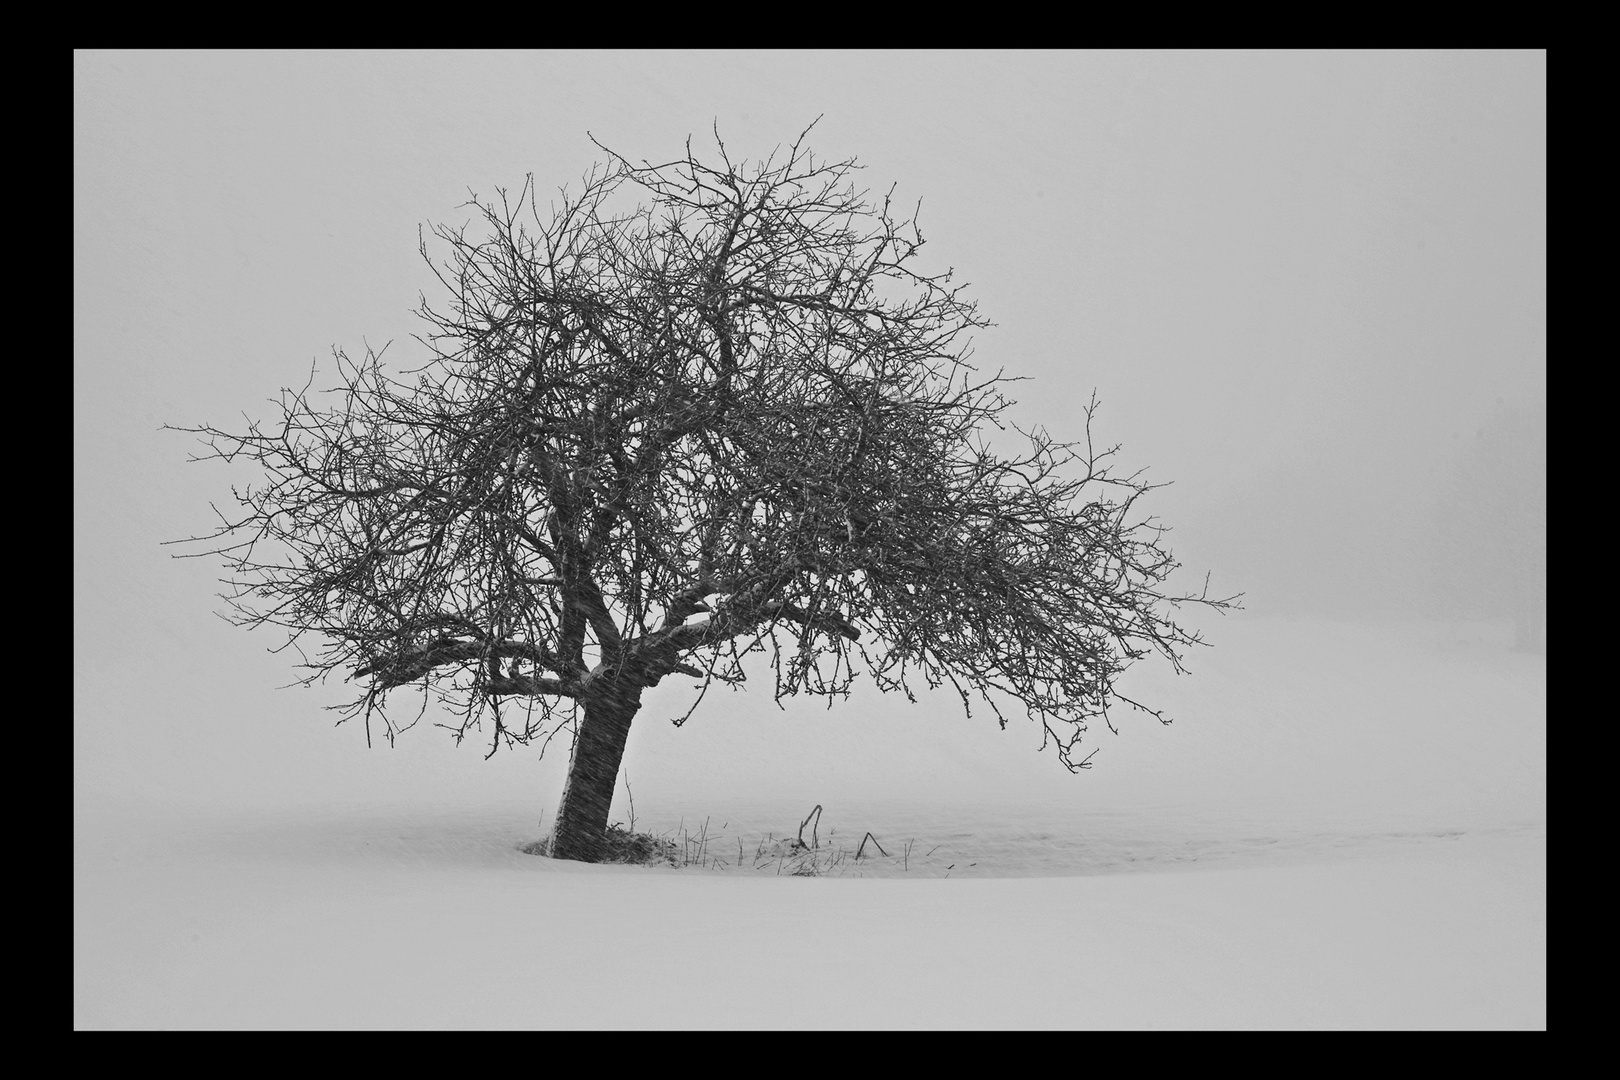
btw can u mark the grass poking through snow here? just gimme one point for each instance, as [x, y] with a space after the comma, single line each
[791, 856]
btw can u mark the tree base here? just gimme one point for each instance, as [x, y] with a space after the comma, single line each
[623, 847]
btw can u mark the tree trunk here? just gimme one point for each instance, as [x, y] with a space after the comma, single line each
[1529, 617]
[593, 772]
[1530, 624]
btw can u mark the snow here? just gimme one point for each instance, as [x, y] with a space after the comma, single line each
[1345, 827]
[1298, 281]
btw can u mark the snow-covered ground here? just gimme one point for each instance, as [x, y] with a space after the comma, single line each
[1345, 827]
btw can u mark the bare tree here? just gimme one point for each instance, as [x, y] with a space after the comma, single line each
[1490, 558]
[656, 436]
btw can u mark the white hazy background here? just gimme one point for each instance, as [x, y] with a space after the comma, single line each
[1300, 283]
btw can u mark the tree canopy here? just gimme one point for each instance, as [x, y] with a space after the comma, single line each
[691, 411]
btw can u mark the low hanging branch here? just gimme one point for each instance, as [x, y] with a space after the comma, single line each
[653, 436]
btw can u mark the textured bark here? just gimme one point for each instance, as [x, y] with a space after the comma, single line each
[593, 772]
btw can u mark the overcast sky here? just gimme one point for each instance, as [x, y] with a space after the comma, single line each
[1298, 281]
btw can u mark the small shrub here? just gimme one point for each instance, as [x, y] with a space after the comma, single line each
[640, 849]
